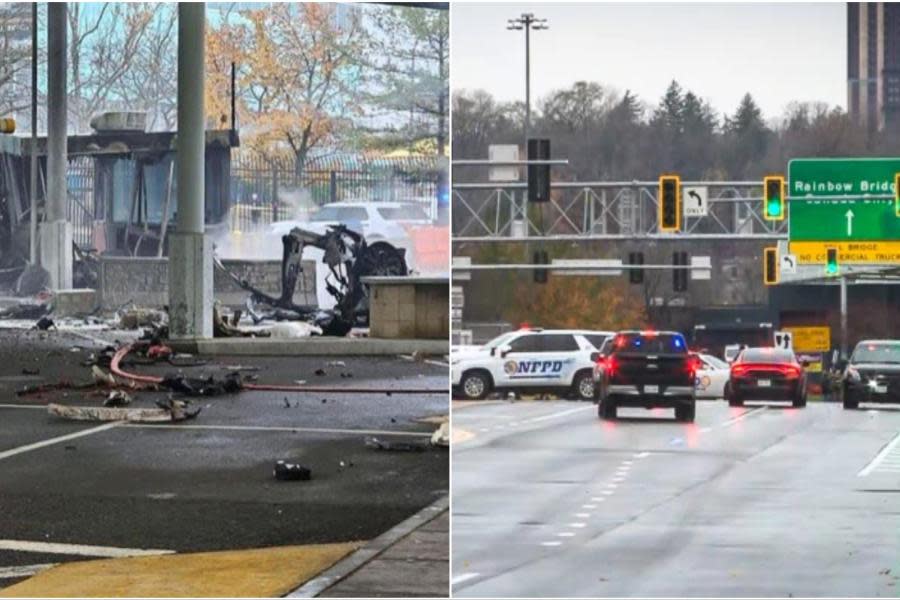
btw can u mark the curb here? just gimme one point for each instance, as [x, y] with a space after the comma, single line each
[358, 559]
[314, 346]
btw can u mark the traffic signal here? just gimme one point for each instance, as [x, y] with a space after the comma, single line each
[679, 276]
[636, 275]
[669, 203]
[831, 261]
[773, 198]
[540, 258]
[770, 266]
[897, 194]
[539, 175]
[7, 125]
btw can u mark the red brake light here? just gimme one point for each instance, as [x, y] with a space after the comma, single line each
[611, 365]
[739, 370]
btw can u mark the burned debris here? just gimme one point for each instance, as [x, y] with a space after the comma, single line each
[348, 257]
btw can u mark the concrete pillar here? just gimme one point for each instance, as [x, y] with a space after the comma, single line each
[56, 231]
[190, 252]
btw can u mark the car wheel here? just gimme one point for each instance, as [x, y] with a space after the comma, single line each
[850, 403]
[734, 401]
[475, 385]
[799, 402]
[686, 412]
[583, 387]
[607, 409]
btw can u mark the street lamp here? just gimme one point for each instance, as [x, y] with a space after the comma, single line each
[527, 22]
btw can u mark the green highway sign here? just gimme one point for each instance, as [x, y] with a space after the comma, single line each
[843, 219]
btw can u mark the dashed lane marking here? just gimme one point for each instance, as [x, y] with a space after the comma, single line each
[58, 439]
[463, 577]
[565, 534]
[553, 543]
[743, 416]
[78, 549]
[888, 460]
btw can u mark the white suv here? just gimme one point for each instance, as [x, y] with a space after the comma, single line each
[532, 360]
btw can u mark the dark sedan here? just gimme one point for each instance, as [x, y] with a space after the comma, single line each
[766, 374]
[872, 374]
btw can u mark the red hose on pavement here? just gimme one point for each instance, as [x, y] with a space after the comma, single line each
[263, 387]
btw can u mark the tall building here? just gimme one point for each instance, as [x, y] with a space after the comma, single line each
[873, 64]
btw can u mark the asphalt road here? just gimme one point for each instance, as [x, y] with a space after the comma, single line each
[207, 484]
[549, 501]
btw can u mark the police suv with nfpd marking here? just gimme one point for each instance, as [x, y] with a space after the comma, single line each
[529, 360]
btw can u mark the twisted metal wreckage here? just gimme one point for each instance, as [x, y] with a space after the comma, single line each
[349, 259]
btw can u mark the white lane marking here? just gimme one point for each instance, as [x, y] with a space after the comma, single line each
[24, 570]
[627, 462]
[598, 499]
[553, 543]
[562, 414]
[607, 492]
[463, 577]
[641, 454]
[565, 534]
[582, 515]
[484, 429]
[705, 429]
[612, 486]
[32, 406]
[57, 440]
[879, 458]
[77, 549]
[618, 479]
[589, 506]
[741, 417]
[289, 429]
[578, 525]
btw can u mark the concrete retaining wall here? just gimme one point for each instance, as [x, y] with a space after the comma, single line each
[145, 281]
[409, 307]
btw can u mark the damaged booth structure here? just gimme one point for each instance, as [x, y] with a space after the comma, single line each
[121, 181]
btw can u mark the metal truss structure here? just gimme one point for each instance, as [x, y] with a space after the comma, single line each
[492, 212]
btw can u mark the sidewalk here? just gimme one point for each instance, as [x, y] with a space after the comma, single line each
[410, 560]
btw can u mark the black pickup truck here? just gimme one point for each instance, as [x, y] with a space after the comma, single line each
[649, 369]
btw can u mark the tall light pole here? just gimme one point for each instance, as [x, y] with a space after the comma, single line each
[527, 22]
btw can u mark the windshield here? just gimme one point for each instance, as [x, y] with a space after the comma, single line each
[406, 212]
[876, 353]
[653, 343]
[766, 355]
[716, 363]
[340, 214]
[500, 339]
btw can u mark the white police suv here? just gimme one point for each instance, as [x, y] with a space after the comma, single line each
[559, 361]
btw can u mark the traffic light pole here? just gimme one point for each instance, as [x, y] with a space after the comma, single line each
[843, 317]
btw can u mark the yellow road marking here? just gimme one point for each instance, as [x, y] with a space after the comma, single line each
[263, 572]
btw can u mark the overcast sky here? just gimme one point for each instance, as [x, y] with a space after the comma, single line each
[777, 52]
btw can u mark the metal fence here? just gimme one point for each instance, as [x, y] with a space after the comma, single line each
[80, 206]
[268, 190]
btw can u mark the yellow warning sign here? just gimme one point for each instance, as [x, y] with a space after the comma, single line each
[877, 253]
[810, 339]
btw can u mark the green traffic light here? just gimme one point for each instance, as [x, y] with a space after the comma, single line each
[774, 207]
[831, 269]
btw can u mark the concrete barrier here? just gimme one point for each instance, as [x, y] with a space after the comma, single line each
[409, 307]
[145, 281]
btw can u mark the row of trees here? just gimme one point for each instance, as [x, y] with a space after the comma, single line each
[611, 136]
[309, 75]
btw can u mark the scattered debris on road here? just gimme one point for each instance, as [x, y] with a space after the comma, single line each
[117, 398]
[286, 471]
[176, 412]
[136, 318]
[376, 444]
[44, 323]
[209, 386]
[441, 437]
